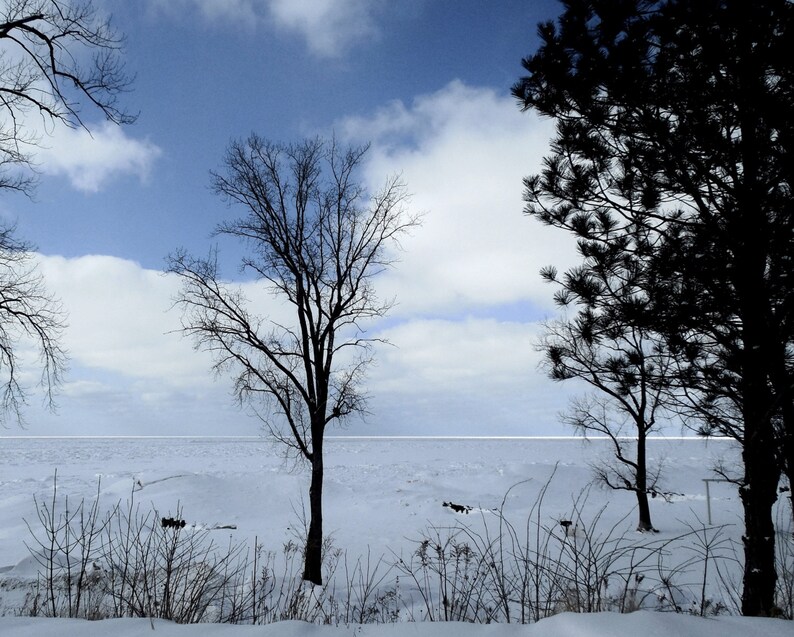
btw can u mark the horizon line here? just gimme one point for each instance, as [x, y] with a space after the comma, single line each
[342, 437]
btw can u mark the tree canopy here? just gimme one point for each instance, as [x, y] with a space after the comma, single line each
[316, 238]
[674, 130]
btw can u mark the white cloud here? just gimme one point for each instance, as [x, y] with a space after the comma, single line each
[434, 355]
[90, 160]
[459, 365]
[475, 377]
[463, 152]
[133, 374]
[328, 27]
[235, 11]
[122, 320]
[459, 362]
[119, 320]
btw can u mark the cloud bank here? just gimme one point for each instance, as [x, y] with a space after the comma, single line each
[90, 159]
[467, 286]
[463, 152]
[119, 319]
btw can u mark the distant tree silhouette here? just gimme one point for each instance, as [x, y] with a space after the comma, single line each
[316, 240]
[609, 345]
[675, 124]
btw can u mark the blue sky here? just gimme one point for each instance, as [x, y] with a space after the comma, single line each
[427, 83]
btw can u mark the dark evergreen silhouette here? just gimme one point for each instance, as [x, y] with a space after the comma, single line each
[674, 128]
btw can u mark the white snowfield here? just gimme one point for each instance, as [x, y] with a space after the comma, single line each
[382, 497]
[637, 624]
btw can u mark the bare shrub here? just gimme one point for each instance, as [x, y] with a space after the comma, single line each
[447, 574]
[503, 572]
[367, 601]
[134, 563]
[129, 563]
[65, 545]
[169, 572]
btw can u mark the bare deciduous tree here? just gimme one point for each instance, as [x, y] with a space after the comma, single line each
[28, 315]
[56, 57]
[316, 240]
[626, 371]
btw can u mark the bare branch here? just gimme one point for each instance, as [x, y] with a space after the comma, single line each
[29, 316]
[56, 57]
[316, 240]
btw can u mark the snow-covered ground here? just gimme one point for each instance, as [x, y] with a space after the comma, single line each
[382, 496]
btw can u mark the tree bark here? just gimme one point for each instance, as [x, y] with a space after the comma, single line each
[644, 523]
[758, 495]
[783, 385]
[313, 562]
[751, 233]
[759, 452]
[641, 482]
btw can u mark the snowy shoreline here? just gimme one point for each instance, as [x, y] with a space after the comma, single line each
[382, 494]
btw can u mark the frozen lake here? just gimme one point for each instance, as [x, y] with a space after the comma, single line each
[382, 497]
[378, 491]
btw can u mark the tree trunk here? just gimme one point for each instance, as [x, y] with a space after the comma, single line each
[313, 561]
[758, 495]
[641, 483]
[783, 384]
[751, 231]
[644, 523]
[761, 469]
[788, 457]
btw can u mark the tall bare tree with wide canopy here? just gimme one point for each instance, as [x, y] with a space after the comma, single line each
[316, 239]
